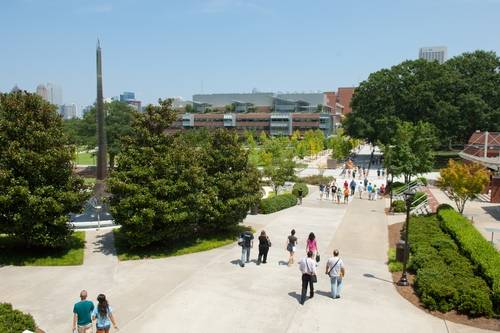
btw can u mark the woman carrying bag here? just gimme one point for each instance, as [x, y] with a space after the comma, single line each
[264, 245]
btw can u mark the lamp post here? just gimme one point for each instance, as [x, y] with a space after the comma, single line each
[409, 194]
[98, 209]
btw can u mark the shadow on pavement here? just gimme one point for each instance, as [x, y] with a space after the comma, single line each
[494, 211]
[295, 295]
[282, 263]
[323, 293]
[105, 244]
[368, 275]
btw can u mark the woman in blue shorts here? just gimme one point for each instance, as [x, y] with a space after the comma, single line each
[103, 315]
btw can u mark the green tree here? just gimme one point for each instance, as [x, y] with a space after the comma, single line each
[37, 186]
[463, 181]
[167, 188]
[412, 150]
[277, 157]
[119, 118]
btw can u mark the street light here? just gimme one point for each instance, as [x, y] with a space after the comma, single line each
[409, 194]
[98, 209]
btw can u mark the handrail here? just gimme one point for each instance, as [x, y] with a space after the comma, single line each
[419, 200]
[410, 185]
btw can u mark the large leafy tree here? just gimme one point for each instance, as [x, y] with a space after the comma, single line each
[119, 118]
[277, 155]
[37, 186]
[463, 181]
[411, 151]
[168, 188]
[457, 98]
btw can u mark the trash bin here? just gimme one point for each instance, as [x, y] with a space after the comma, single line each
[400, 251]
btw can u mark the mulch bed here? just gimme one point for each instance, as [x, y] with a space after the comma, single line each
[412, 297]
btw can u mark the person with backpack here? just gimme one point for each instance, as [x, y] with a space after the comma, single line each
[335, 270]
[264, 245]
[103, 315]
[246, 243]
[346, 195]
[290, 246]
[307, 267]
[353, 187]
[334, 191]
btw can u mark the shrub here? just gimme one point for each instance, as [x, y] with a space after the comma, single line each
[303, 187]
[14, 321]
[396, 185]
[399, 206]
[277, 203]
[475, 247]
[444, 206]
[423, 180]
[445, 279]
[316, 179]
[394, 265]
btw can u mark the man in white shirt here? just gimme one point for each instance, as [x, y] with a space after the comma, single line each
[335, 269]
[308, 268]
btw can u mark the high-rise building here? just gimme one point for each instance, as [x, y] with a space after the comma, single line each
[54, 94]
[68, 111]
[86, 109]
[41, 90]
[127, 96]
[435, 53]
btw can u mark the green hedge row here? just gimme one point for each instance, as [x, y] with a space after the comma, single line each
[14, 321]
[303, 186]
[317, 179]
[445, 279]
[475, 247]
[276, 203]
[399, 206]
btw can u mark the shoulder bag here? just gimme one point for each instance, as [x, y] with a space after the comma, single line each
[331, 269]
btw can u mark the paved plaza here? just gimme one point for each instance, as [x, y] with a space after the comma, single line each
[210, 292]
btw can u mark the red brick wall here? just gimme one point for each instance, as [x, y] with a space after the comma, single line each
[344, 97]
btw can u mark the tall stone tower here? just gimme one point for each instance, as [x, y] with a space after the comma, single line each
[102, 157]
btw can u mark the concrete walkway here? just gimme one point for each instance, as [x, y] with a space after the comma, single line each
[209, 292]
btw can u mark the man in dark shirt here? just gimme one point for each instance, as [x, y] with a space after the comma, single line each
[246, 240]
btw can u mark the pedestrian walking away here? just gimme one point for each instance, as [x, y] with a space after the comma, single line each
[365, 182]
[264, 245]
[82, 314]
[312, 245]
[300, 193]
[346, 195]
[291, 245]
[321, 189]
[353, 186]
[360, 190]
[339, 195]
[308, 268]
[103, 315]
[369, 190]
[378, 173]
[334, 191]
[335, 270]
[327, 191]
[246, 243]
[375, 192]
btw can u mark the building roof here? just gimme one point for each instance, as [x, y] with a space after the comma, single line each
[483, 148]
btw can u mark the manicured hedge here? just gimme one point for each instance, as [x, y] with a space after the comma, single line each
[14, 321]
[303, 186]
[399, 206]
[445, 279]
[476, 248]
[443, 206]
[276, 203]
[316, 179]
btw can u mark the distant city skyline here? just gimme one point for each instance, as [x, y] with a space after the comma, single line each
[182, 48]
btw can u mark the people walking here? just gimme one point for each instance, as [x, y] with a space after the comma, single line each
[346, 184]
[365, 182]
[301, 194]
[264, 245]
[246, 243]
[290, 246]
[311, 244]
[308, 268]
[346, 195]
[369, 190]
[378, 173]
[339, 195]
[375, 192]
[82, 314]
[103, 315]
[334, 191]
[353, 186]
[335, 270]
[327, 191]
[360, 190]
[321, 189]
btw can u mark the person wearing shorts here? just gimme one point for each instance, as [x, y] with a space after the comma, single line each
[82, 310]
[290, 246]
[103, 315]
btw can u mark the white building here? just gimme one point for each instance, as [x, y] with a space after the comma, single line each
[41, 90]
[54, 94]
[439, 53]
[69, 111]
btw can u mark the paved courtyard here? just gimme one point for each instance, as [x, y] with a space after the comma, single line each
[210, 292]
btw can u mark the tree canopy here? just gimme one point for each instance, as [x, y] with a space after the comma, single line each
[456, 98]
[167, 188]
[37, 186]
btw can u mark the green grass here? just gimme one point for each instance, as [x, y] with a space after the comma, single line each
[89, 181]
[85, 158]
[178, 248]
[13, 252]
[394, 266]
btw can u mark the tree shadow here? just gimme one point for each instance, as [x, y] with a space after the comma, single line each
[371, 276]
[494, 211]
[105, 244]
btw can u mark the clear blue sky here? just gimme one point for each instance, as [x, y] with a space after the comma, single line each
[177, 48]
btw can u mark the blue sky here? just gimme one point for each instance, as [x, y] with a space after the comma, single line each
[178, 48]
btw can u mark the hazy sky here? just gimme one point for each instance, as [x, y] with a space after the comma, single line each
[177, 48]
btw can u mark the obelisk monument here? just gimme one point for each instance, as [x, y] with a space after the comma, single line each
[102, 157]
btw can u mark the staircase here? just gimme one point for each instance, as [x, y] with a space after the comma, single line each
[421, 205]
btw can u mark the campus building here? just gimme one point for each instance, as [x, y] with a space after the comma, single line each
[275, 114]
[439, 53]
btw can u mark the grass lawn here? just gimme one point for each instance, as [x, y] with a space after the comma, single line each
[85, 158]
[178, 249]
[13, 252]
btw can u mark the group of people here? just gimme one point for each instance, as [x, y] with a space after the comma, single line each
[84, 312]
[337, 193]
[307, 265]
